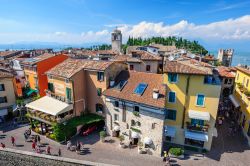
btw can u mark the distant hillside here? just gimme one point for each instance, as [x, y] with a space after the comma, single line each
[192, 46]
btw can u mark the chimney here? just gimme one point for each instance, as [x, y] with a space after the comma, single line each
[155, 93]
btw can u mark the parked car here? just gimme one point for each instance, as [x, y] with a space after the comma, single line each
[89, 130]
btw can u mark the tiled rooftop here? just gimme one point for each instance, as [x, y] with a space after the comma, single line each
[188, 67]
[153, 81]
[228, 72]
[34, 60]
[5, 74]
[5, 53]
[242, 69]
[71, 66]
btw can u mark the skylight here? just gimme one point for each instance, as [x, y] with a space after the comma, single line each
[121, 84]
[140, 88]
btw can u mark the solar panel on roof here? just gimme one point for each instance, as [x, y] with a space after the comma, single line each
[140, 88]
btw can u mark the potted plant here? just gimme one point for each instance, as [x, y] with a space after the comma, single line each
[102, 135]
[140, 145]
[176, 153]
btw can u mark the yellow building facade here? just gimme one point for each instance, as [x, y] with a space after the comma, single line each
[191, 105]
[242, 95]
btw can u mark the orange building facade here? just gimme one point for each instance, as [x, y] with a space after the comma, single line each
[35, 68]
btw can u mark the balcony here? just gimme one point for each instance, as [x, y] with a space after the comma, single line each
[197, 128]
[55, 96]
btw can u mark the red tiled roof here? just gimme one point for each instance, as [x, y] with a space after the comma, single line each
[187, 67]
[5, 74]
[244, 70]
[226, 72]
[153, 81]
[71, 66]
[34, 60]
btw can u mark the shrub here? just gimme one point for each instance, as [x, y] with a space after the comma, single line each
[135, 129]
[52, 136]
[37, 130]
[102, 134]
[176, 151]
[136, 113]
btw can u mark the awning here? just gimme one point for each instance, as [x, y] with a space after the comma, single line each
[117, 128]
[199, 115]
[234, 101]
[134, 134]
[50, 106]
[3, 112]
[148, 141]
[30, 91]
[196, 136]
[169, 131]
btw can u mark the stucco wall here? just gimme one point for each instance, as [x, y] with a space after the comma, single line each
[9, 92]
[141, 67]
[147, 120]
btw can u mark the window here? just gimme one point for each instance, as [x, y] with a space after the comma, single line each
[171, 97]
[226, 81]
[243, 83]
[67, 81]
[171, 114]
[140, 88]
[99, 91]
[238, 76]
[116, 103]
[121, 84]
[172, 77]
[247, 83]
[136, 109]
[138, 124]
[68, 94]
[99, 108]
[230, 81]
[131, 67]
[116, 117]
[148, 68]
[51, 87]
[2, 88]
[168, 138]
[200, 100]
[132, 123]
[3, 99]
[195, 122]
[100, 76]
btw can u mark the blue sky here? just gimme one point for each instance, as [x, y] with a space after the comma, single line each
[213, 22]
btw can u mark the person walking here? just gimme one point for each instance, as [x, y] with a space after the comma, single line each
[59, 152]
[13, 141]
[164, 156]
[168, 160]
[38, 138]
[2, 145]
[68, 145]
[33, 146]
[48, 150]
[25, 136]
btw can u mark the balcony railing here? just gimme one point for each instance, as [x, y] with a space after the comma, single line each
[55, 96]
[197, 128]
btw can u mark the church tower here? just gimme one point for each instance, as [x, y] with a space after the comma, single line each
[116, 38]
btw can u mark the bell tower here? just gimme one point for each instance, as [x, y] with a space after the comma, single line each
[116, 38]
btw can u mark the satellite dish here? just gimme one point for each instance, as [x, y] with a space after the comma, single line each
[170, 58]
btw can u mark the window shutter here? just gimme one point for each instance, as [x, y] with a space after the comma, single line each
[3, 87]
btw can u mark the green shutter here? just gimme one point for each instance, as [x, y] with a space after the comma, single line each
[68, 93]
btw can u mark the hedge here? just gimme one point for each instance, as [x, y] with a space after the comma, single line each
[176, 151]
[66, 131]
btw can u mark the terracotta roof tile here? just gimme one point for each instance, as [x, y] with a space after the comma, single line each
[153, 81]
[71, 66]
[187, 67]
[34, 60]
[244, 70]
[226, 72]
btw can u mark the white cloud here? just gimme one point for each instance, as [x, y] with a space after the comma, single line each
[231, 29]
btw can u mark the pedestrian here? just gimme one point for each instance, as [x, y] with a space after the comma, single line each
[59, 152]
[130, 144]
[33, 146]
[38, 149]
[168, 160]
[2, 145]
[48, 150]
[38, 138]
[78, 147]
[164, 156]
[35, 139]
[25, 136]
[13, 141]
[68, 145]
